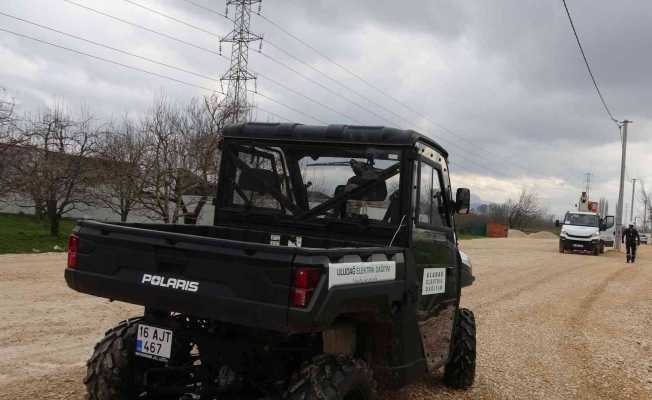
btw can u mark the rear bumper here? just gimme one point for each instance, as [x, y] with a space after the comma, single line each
[210, 302]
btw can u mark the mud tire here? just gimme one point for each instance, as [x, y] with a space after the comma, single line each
[561, 247]
[329, 377]
[110, 370]
[459, 373]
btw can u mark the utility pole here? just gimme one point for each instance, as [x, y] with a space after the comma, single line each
[631, 211]
[621, 191]
[237, 75]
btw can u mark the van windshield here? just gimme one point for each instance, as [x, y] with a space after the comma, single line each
[581, 219]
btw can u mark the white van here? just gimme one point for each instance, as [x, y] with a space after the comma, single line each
[581, 231]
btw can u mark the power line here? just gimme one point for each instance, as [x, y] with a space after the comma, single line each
[298, 93]
[331, 91]
[110, 47]
[371, 85]
[264, 76]
[202, 7]
[588, 67]
[135, 25]
[200, 29]
[162, 14]
[288, 107]
[79, 52]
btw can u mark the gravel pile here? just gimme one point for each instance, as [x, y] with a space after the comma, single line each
[542, 235]
[515, 233]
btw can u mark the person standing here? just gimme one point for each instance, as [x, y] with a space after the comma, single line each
[631, 239]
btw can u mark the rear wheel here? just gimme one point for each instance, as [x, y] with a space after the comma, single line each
[459, 373]
[111, 373]
[329, 377]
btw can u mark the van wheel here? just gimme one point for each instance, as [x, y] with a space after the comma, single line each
[110, 370]
[596, 250]
[459, 373]
[329, 377]
[561, 247]
[602, 248]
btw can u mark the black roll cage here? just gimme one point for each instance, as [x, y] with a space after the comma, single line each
[407, 168]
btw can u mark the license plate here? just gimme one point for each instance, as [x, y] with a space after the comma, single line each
[153, 342]
[578, 245]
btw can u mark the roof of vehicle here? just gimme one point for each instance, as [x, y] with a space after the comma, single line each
[353, 134]
[583, 212]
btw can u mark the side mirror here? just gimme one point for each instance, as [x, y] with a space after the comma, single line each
[557, 223]
[463, 201]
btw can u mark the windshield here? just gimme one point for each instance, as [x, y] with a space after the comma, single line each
[581, 219]
[313, 182]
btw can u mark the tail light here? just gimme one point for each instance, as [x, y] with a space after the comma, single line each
[73, 244]
[304, 284]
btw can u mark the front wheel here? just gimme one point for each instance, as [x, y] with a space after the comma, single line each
[561, 247]
[330, 377]
[459, 373]
[596, 250]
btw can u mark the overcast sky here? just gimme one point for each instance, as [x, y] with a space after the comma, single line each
[500, 84]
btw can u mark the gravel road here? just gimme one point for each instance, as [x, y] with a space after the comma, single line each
[550, 326]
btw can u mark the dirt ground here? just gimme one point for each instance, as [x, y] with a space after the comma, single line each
[550, 326]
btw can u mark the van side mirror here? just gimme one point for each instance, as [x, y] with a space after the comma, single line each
[463, 201]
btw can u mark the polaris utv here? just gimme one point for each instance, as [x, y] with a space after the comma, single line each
[332, 264]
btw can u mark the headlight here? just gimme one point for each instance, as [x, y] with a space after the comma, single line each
[596, 235]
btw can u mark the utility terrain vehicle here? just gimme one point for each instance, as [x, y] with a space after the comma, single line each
[332, 264]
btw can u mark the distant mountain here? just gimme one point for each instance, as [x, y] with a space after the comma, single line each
[476, 201]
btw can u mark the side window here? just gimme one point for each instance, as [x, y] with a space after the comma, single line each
[261, 179]
[431, 207]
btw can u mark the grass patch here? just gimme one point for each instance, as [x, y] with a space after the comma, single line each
[469, 236]
[26, 234]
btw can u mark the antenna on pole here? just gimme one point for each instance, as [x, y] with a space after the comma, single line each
[588, 184]
[237, 76]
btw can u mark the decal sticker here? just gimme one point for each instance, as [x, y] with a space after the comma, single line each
[171, 283]
[296, 242]
[360, 272]
[275, 240]
[434, 281]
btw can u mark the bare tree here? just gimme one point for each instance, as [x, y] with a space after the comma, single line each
[121, 158]
[201, 125]
[53, 169]
[525, 210]
[182, 158]
[8, 138]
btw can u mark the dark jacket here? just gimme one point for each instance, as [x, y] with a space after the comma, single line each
[630, 236]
